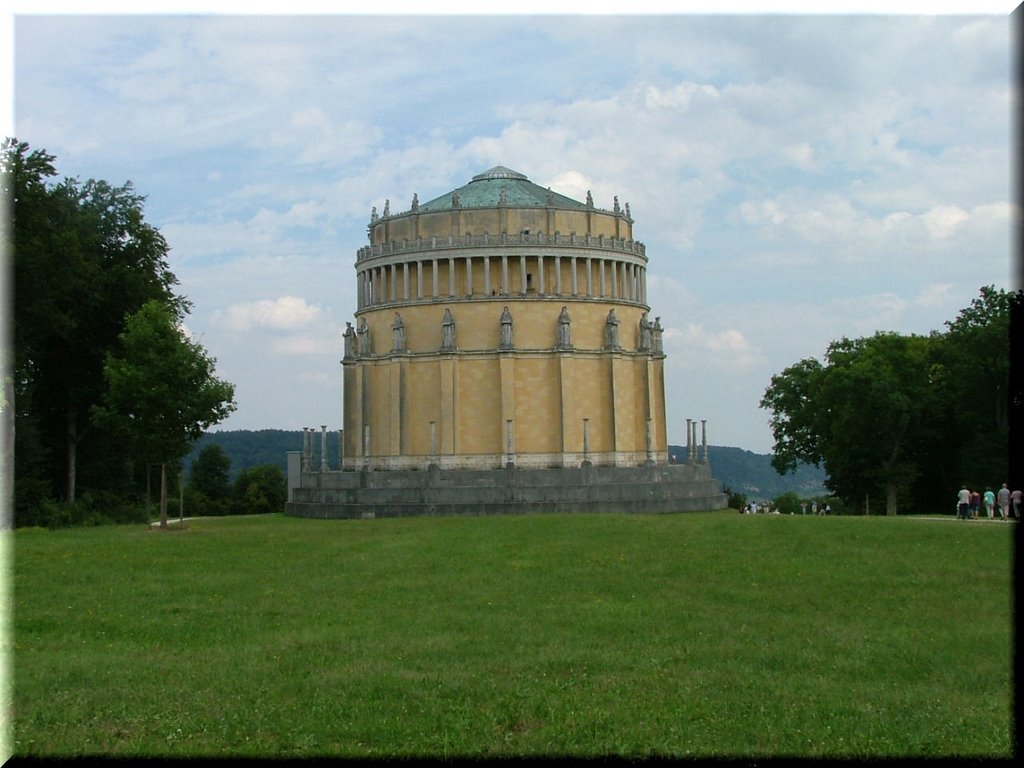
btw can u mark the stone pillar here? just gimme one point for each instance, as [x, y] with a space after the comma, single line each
[693, 441]
[433, 443]
[393, 282]
[650, 442]
[600, 278]
[704, 440]
[366, 446]
[469, 276]
[572, 286]
[437, 291]
[341, 449]
[511, 458]
[586, 443]
[689, 448]
[487, 275]
[323, 447]
[522, 275]
[504, 275]
[419, 279]
[590, 277]
[405, 281]
[451, 276]
[558, 275]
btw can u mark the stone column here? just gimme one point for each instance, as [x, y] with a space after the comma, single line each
[469, 276]
[572, 286]
[558, 275]
[689, 448]
[504, 275]
[590, 277]
[511, 459]
[540, 275]
[437, 290]
[522, 275]
[419, 279]
[487, 275]
[600, 278]
[405, 281]
[366, 446]
[704, 440]
[586, 443]
[451, 276]
[393, 282]
[433, 443]
[323, 447]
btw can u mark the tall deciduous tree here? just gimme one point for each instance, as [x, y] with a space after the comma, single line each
[976, 357]
[862, 415]
[896, 414]
[162, 393]
[84, 257]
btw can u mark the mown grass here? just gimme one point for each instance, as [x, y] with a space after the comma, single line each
[699, 634]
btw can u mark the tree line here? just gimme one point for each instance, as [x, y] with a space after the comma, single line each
[103, 385]
[899, 422]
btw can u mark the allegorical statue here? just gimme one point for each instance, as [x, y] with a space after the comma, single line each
[645, 333]
[350, 341]
[397, 334]
[506, 329]
[611, 330]
[363, 332]
[564, 338]
[656, 332]
[448, 331]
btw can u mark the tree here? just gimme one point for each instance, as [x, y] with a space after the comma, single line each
[209, 473]
[261, 489]
[161, 390]
[976, 360]
[863, 415]
[84, 258]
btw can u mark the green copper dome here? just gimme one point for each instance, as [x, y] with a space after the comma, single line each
[500, 186]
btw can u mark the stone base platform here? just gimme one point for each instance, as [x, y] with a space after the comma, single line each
[654, 489]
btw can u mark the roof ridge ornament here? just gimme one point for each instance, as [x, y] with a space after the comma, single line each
[500, 172]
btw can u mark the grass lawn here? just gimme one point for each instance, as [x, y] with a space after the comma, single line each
[700, 634]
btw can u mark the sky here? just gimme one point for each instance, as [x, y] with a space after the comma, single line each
[796, 177]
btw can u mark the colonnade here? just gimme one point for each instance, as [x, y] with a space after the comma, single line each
[418, 279]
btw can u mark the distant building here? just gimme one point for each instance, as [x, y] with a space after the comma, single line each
[502, 326]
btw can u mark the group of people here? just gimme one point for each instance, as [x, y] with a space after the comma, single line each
[1008, 504]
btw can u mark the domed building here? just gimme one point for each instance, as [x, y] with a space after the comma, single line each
[502, 358]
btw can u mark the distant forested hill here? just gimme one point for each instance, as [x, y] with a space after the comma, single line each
[253, 448]
[739, 470]
[752, 474]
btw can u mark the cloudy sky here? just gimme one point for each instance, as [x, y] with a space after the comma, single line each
[795, 178]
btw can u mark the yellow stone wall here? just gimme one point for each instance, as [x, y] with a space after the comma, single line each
[478, 324]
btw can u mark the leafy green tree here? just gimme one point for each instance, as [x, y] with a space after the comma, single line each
[84, 258]
[210, 472]
[261, 489]
[162, 393]
[787, 503]
[862, 415]
[976, 375]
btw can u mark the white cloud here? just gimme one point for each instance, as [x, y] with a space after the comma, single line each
[284, 313]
